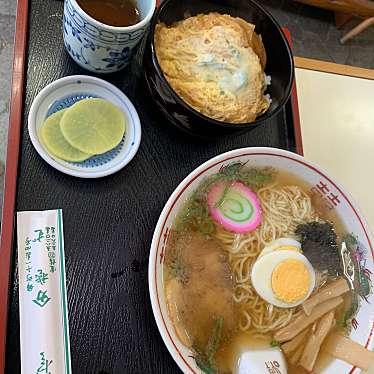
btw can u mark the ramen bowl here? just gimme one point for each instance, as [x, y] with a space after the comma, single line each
[279, 65]
[317, 184]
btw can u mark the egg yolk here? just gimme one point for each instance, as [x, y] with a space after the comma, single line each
[290, 281]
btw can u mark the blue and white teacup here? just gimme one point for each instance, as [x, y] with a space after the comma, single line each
[102, 48]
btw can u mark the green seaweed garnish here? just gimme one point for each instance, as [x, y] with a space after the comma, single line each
[205, 360]
[204, 367]
[196, 216]
[254, 178]
[177, 268]
[214, 340]
[223, 197]
[275, 343]
[345, 321]
[351, 242]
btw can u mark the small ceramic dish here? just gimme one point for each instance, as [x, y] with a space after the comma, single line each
[62, 94]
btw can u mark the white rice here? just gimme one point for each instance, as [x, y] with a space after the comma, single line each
[267, 79]
[268, 98]
[268, 83]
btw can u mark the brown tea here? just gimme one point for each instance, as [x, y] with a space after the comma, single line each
[111, 12]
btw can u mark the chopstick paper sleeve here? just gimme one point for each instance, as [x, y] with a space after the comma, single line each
[44, 327]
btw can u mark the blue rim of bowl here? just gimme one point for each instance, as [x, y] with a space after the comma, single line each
[264, 117]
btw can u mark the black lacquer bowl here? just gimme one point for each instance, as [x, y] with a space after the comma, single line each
[279, 65]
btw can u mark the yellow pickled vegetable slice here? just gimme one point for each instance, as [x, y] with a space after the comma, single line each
[93, 125]
[55, 143]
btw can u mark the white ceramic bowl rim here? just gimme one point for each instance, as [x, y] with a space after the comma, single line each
[187, 181]
[137, 26]
[35, 140]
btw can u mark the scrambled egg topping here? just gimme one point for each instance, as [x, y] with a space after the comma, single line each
[215, 63]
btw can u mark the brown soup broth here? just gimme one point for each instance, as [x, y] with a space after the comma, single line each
[118, 13]
[235, 340]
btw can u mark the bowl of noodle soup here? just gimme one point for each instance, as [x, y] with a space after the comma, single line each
[202, 272]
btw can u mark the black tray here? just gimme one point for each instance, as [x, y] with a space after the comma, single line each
[109, 222]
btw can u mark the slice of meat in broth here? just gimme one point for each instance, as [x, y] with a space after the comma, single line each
[205, 292]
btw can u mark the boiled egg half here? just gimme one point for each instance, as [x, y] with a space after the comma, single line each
[280, 245]
[282, 275]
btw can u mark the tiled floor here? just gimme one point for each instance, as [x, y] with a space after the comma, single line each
[312, 29]
[315, 35]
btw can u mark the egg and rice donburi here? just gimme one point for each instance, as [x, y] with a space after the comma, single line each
[215, 63]
[253, 261]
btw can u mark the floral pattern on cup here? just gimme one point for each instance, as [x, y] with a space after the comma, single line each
[119, 58]
[97, 47]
